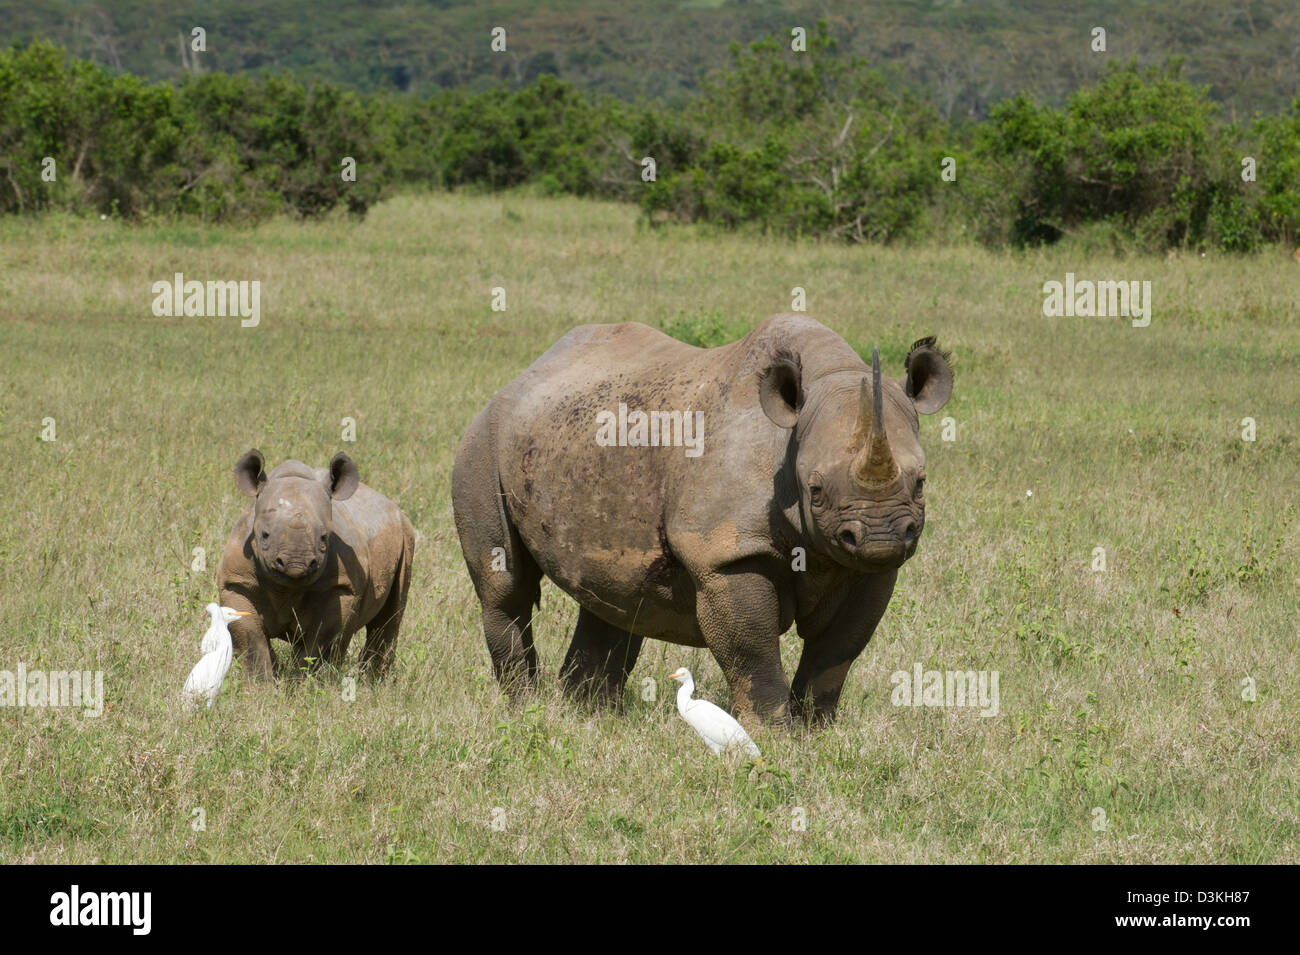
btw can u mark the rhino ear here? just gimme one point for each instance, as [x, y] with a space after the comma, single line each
[250, 473]
[929, 376]
[344, 477]
[780, 390]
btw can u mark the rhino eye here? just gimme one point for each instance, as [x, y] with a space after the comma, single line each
[815, 492]
[323, 538]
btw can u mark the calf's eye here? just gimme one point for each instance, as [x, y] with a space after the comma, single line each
[815, 493]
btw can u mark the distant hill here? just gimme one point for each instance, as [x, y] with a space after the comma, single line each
[967, 54]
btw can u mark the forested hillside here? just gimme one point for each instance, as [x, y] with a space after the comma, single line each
[968, 55]
[806, 138]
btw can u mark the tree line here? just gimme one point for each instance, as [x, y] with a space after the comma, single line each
[811, 143]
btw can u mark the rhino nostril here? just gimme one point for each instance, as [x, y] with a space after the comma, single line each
[849, 539]
[909, 534]
[279, 563]
[313, 565]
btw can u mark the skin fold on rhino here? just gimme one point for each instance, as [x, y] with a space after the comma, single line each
[803, 446]
[316, 556]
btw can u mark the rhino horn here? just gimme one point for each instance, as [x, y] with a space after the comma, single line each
[874, 465]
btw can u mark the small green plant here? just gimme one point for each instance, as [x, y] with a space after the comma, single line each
[525, 739]
[705, 330]
[1183, 647]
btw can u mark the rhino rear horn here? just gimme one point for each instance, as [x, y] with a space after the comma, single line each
[874, 465]
[250, 472]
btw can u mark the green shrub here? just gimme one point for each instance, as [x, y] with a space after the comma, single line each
[705, 330]
[1137, 149]
[216, 146]
[801, 144]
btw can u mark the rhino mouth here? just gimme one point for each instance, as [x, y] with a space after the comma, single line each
[882, 555]
[293, 572]
[859, 548]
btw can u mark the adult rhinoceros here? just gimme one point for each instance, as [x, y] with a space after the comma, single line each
[798, 501]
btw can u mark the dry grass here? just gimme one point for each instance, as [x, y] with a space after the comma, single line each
[1129, 439]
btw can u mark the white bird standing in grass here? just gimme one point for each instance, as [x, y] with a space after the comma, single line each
[204, 681]
[715, 725]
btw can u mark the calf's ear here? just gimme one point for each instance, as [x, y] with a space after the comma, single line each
[929, 376]
[344, 477]
[250, 473]
[780, 390]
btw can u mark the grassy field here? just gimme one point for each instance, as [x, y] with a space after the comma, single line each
[1120, 691]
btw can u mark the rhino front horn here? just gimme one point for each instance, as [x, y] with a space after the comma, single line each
[874, 465]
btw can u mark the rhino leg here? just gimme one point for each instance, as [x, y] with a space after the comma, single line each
[831, 645]
[302, 661]
[506, 578]
[599, 660]
[508, 628]
[381, 639]
[740, 618]
[381, 632]
[337, 652]
[254, 650]
[508, 594]
[318, 638]
[248, 637]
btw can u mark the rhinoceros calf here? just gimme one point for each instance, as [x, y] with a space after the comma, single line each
[316, 556]
[785, 485]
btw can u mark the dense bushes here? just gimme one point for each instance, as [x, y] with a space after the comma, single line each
[812, 143]
[547, 133]
[216, 146]
[1144, 152]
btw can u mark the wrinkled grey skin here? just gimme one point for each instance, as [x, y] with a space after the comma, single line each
[699, 551]
[316, 556]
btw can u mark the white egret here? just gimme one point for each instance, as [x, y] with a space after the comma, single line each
[204, 681]
[221, 618]
[714, 724]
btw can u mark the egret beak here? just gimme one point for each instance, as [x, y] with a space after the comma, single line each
[675, 674]
[243, 613]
